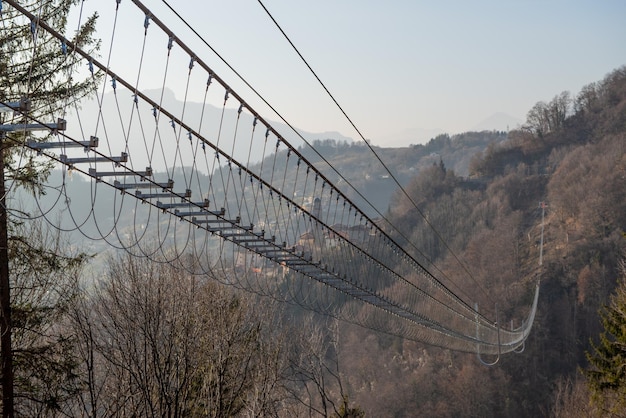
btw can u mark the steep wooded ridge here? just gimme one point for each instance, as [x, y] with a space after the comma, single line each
[570, 154]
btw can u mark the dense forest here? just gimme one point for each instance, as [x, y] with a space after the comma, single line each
[570, 154]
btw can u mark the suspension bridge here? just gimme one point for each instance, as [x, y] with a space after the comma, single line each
[225, 191]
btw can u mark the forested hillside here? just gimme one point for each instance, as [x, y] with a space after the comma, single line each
[355, 164]
[570, 154]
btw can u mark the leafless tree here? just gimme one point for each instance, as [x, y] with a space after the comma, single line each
[158, 341]
[315, 372]
[544, 118]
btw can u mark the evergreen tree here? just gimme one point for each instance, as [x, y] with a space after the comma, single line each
[36, 365]
[37, 66]
[607, 375]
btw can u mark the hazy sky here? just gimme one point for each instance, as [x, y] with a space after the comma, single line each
[401, 69]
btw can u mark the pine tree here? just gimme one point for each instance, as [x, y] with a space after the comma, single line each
[607, 374]
[36, 66]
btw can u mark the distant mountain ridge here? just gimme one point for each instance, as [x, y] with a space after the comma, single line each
[499, 121]
[195, 114]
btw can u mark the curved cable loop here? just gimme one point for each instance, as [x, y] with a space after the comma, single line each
[478, 354]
